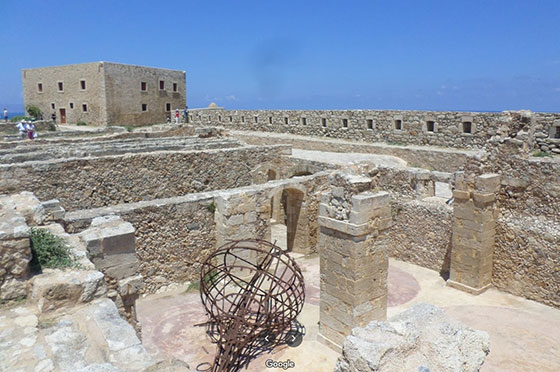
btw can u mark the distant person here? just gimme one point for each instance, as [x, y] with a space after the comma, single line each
[30, 130]
[41, 116]
[186, 114]
[176, 116]
[5, 115]
[168, 119]
[21, 128]
[53, 117]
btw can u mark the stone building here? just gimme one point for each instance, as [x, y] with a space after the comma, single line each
[105, 93]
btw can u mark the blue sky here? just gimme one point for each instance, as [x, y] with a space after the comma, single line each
[479, 55]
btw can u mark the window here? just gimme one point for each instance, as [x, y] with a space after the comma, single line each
[219, 117]
[286, 121]
[71, 105]
[557, 132]
[467, 127]
[430, 126]
[398, 124]
[84, 107]
[304, 121]
[144, 107]
[168, 107]
[82, 84]
[270, 120]
[345, 123]
[143, 86]
[174, 87]
[60, 86]
[161, 85]
[243, 119]
[230, 118]
[40, 87]
[52, 106]
[369, 123]
[256, 119]
[324, 122]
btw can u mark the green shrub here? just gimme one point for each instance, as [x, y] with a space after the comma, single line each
[542, 154]
[129, 128]
[211, 207]
[52, 126]
[33, 111]
[49, 251]
[209, 279]
[15, 119]
[81, 123]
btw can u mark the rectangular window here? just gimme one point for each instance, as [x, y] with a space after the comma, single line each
[168, 107]
[161, 85]
[270, 120]
[398, 124]
[71, 105]
[286, 121]
[60, 86]
[369, 123]
[219, 117]
[82, 84]
[84, 107]
[345, 123]
[304, 121]
[557, 133]
[467, 127]
[143, 86]
[243, 119]
[144, 107]
[256, 119]
[40, 87]
[174, 87]
[52, 106]
[430, 126]
[324, 122]
[231, 118]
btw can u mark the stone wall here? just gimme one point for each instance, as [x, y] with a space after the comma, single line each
[125, 97]
[100, 181]
[436, 128]
[72, 97]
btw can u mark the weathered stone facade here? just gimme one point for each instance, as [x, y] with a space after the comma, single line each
[105, 93]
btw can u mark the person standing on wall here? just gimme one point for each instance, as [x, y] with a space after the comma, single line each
[176, 116]
[186, 114]
[53, 117]
[5, 115]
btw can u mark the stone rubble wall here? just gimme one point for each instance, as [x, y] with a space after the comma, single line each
[447, 126]
[101, 181]
[175, 235]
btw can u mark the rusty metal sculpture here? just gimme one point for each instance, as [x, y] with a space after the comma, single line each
[253, 292]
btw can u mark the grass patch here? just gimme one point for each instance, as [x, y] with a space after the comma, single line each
[195, 286]
[81, 123]
[129, 128]
[542, 154]
[211, 207]
[49, 251]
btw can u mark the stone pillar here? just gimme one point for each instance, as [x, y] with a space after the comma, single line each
[474, 229]
[353, 262]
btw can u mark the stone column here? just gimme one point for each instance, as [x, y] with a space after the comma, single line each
[474, 229]
[353, 262]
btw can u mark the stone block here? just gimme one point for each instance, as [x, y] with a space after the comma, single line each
[131, 285]
[338, 192]
[483, 198]
[109, 236]
[461, 195]
[488, 183]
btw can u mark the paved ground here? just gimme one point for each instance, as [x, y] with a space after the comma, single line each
[340, 158]
[524, 335]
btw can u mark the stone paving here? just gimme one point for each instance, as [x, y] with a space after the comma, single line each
[524, 335]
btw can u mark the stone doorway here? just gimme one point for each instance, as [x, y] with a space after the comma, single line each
[288, 224]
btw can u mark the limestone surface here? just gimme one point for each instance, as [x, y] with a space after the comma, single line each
[423, 338]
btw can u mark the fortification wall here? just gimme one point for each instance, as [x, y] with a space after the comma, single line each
[100, 181]
[469, 130]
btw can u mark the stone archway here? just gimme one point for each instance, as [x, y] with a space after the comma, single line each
[290, 220]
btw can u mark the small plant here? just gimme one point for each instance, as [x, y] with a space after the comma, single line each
[211, 207]
[49, 251]
[52, 126]
[7, 304]
[81, 123]
[15, 119]
[33, 111]
[542, 154]
[129, 128]
[209, 279]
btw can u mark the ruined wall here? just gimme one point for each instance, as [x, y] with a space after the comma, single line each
[100, 181]
[445, 160]
[437, 128]
[72, 97]
[125, 96]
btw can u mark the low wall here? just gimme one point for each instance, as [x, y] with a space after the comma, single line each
[455, 129]
[101, 181]
[444, 160]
